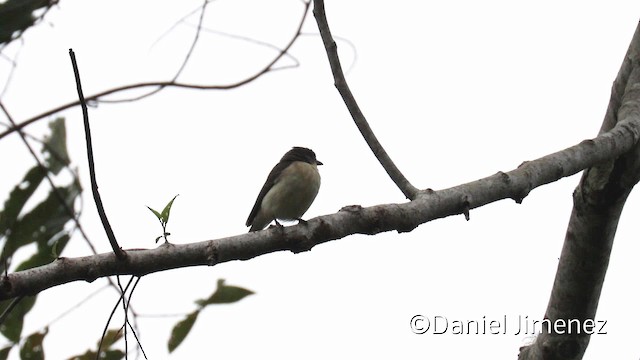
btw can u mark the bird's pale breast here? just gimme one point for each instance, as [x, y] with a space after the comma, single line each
[293, 192]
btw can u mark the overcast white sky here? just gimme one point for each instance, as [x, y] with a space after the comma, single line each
[454, 90]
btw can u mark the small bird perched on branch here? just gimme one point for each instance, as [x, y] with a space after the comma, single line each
[291, 187]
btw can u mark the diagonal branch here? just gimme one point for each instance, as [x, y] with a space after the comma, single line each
[92, 172]
[598, 203]
[515, 184]
[396, 175]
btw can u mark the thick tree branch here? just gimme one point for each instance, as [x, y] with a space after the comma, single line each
[166, 84]
[598, 203]
[404, 217]
[392, 170]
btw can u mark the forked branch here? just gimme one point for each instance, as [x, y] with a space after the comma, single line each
[597, 205]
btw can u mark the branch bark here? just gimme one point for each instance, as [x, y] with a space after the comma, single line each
[429, 205]
[92, 172]
[598, 203]
[409, 191]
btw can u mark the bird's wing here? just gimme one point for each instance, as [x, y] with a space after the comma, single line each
[271, 180]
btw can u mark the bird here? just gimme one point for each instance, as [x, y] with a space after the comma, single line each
[291, 187]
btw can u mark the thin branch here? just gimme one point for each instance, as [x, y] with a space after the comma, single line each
[165, 84]
[126, 316]
[403, 217]
[113, 311]
[410, 191]
[182, 66]
[77, 305]
[199, 27]
[94, 185]
[194, 42]
[175, 24]
[14, 65]
[133, 328]
[296, 62]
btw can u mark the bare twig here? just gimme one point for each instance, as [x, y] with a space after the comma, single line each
[200, 28]
[120, 254]
[396, 175]
[77, 305]
[14, 65]
[133, 328]
[113, 311]
[125, 305]
[182, 66]
[126, 316]
[269, 67]
[257, 42]
[194, 42]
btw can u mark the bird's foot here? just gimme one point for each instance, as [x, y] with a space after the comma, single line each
[277, 225]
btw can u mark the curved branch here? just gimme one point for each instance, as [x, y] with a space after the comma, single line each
[392, 170]
[165, 84]
[429, 205]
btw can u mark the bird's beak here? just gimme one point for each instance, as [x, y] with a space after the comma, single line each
[319, 162]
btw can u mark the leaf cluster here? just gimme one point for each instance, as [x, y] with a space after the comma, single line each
[42, 225]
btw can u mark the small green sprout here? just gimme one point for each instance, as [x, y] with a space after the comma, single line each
[163, 217]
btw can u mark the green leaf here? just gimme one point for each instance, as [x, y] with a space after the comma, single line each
[4, 353]
[55, 146]
[157, 214]
[181, 330]
[165, 212]
[225, 294]
[56, 157]
[89, 355]
[42, 224]
[18, 197]
[112, 355]
[11, 328]
[104, 355]
[16, 16]
[32, 347]
[45, 254]
[110, 338]
[54, 248]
